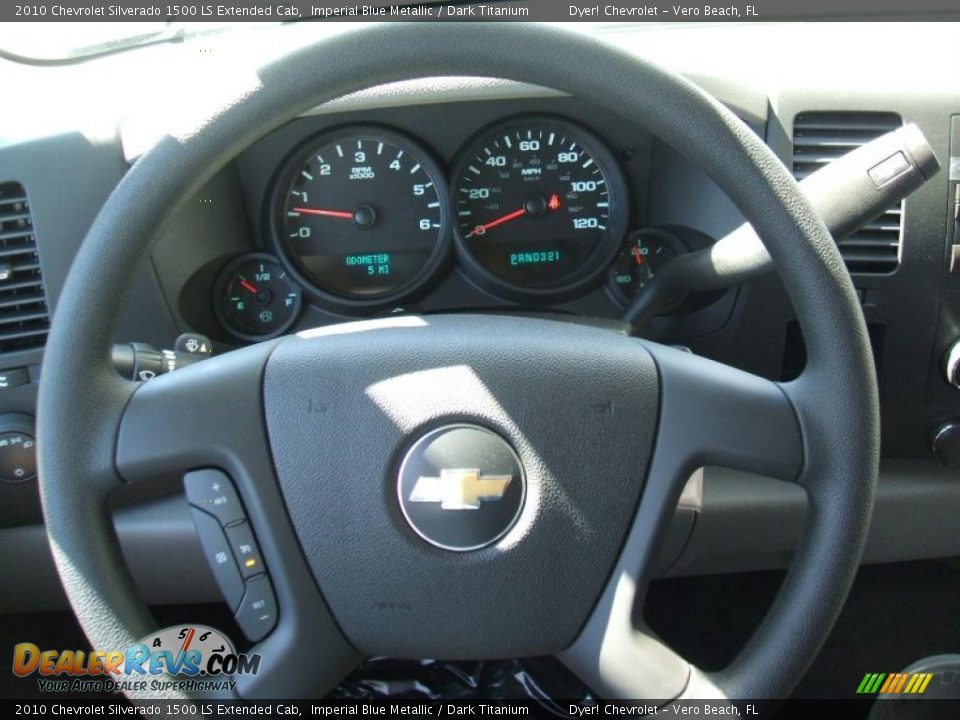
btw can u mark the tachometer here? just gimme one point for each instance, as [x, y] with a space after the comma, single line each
[541, 208]
[361, 216]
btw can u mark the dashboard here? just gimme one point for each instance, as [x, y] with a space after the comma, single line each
[521, 205]
[475, 195]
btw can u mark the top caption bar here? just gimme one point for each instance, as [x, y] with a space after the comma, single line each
[529, 10]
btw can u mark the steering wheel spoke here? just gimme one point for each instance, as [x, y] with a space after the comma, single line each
[208, 418]
[620, 658]
[710, 414]
[713, 414]
[209, 414]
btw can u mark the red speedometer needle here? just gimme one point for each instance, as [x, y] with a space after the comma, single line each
[481, 229]
[328, 213]
[248, 286]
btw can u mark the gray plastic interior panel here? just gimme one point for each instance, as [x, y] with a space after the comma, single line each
[31, 583]
[744, 522]
[747, 522]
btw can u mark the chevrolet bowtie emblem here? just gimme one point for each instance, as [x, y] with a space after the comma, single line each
[461, 489]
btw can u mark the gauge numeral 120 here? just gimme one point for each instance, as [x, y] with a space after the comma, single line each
[585, 223]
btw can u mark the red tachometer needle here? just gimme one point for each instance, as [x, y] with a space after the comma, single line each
[481, 229]
[328, 213]
[637, 255]
[248, 286]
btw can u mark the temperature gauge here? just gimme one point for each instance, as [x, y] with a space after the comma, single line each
[255, 298]
[643, 255]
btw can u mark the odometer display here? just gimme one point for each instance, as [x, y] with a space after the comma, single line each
[540, 207]
[361, 216]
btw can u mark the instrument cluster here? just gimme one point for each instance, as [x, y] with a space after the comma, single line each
[362, 217]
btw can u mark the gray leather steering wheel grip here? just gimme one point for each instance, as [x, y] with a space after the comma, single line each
[821, 430]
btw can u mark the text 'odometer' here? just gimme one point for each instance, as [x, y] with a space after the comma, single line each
[540, 205]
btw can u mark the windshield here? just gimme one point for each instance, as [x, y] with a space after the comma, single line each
[59, 41]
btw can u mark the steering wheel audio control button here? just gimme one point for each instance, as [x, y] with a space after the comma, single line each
[257, 613]
[213, 492]
[216, 548]
[245, 550]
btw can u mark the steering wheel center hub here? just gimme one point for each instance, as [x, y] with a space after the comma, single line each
[461, 487]
[396, 438]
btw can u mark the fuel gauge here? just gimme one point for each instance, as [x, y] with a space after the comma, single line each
[255, 298]
[643, 255]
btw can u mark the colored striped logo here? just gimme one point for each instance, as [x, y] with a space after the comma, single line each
[894, 683]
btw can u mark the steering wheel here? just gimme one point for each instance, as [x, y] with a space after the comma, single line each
[604, 429]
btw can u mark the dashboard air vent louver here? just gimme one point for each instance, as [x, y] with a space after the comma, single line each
[24, 318]
[819, 138]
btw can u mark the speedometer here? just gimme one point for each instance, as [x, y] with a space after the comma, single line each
[541, 208]
[360, 216]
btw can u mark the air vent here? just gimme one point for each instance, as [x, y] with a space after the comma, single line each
[819, 138]
[24, 320]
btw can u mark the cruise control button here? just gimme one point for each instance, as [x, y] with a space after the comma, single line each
[257, 613]
[213, 492]
[245, 549]
[217, 551]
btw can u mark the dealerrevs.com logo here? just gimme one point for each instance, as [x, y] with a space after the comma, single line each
[190, 658]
